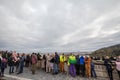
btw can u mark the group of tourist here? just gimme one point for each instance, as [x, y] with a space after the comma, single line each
[53, 63]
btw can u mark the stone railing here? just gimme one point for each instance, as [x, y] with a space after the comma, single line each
[101, 71]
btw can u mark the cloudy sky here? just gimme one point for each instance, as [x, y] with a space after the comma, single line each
[59, 25]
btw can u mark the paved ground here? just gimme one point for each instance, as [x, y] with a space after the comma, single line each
[41, 75]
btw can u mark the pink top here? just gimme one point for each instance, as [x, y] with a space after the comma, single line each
[117, 65]
[34, 59]
[15, 56]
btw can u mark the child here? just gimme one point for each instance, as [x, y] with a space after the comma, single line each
[66, 67]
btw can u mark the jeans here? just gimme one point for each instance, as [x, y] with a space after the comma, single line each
[21, 68]
[2, 71]
[11, 70]
[55, 67]
[93, 72]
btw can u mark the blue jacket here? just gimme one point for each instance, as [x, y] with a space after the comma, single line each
[82, 60]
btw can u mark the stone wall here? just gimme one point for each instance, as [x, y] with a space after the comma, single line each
[101, 71]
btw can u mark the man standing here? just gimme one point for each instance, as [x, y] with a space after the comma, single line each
[48, 63]
[118, 65]
[11, 62]
[21, 64]
[77, 65]
[82, 66]
[88, 66]
[3, 65]
[62, 60]
[34, 62]
[56, 62]
[108, 64]
[93, 73]
[72, 62]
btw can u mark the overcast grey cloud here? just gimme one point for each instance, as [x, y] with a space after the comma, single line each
[59, 25]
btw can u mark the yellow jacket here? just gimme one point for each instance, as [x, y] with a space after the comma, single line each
[62, 58]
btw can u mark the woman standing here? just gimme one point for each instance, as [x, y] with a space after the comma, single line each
[44, 62]
[118, 66]
[3, 65]
[108, 65]
[11, 62]
[34, 62]
[88, 66]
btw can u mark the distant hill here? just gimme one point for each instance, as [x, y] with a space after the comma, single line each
[107, 51]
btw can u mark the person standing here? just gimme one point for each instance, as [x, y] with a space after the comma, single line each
[17, 62]
[34, 62]
[72, 62]
[62, 60]
[21, 66]
[3, 65]
[39, 62]
[11, 62]
[48, 63]
[44, 62]
[52, 62]
[82, 66]
[88, 66]
[27, 60]
[118, 66]
[0, 64]
[93, 69]
[77, 65]
[56, 62]
[108, 64]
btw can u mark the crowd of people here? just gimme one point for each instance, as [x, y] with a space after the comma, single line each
[53, 63]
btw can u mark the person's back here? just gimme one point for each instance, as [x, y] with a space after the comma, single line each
[48, 57]
[108, 64]
[11, 61]
[92, 65]
[3, 66]
[34, 59]
[88, 66]
[93, 73]
[0, 67]
[0, 62]
[61, 58]
[82, 65]
[34, 62]
[72, 59]
[118, 66]
[57, 59]
[77, 59]
[82, 60]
